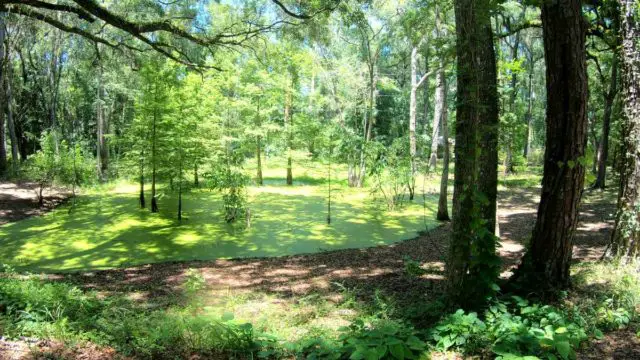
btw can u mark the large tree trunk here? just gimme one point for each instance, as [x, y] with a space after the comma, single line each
[473, 265]
[443, 208]
[625, 240]
[603, 146]
[546, 264]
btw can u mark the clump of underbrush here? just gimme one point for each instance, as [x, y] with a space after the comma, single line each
[606, 298]
[32, 307]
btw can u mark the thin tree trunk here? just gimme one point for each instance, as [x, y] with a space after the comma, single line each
[289, 134]
[508, 161]
[475, 188]
[154, 199]
[196, 180]
[443, 208]
[142, 201]
[10, 122]
[259, 179]
[412, 119]
[180, 189]
[603, 146]
[101, 150]
[3, 149]
[425, 93]
[546, 263]
[440, 101]
[527, 134]
[370, 118]
[625, 240]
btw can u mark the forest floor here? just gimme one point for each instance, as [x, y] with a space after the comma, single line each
[273, 293]
[20, 200]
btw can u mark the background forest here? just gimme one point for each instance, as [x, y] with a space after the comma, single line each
[319, 179]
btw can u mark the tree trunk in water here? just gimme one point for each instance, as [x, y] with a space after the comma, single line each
[287, 125]
[142, 201]
[259, 179]
[625, 240]
[154, 200]
[546, 264]
[443, 208]
[475, 185]
[603, 146]
[412, 121]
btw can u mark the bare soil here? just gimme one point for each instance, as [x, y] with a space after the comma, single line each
[20, 200]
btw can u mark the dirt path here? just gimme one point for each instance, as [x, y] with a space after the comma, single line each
[20, 200]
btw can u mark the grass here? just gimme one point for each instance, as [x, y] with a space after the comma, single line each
[107, 229]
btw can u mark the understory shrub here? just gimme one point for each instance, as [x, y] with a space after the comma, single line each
[605, 298]
[36, 308]
[373, 339]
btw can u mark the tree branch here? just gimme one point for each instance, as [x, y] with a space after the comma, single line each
[517, 28]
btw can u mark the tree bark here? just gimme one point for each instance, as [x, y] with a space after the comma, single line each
[625, 240]
[603, 146]
[546, 263]
[472, 264]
